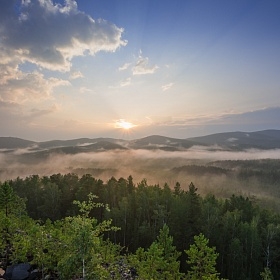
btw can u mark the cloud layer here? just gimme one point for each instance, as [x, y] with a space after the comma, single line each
[38, 41]
[50, 35]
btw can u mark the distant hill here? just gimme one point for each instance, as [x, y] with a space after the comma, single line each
[76, 142]
[235, 141]
[266, 139]
[95, 147]
[161, 142]
[15, 143]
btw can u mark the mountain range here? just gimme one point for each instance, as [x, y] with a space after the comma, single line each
[230, 141]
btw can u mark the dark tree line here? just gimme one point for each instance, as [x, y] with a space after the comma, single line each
[246, 236]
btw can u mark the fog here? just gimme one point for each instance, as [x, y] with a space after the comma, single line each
[138, 163]
[155, 166]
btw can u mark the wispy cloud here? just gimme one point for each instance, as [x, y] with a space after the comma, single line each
[85, 90]
[143, 67]
[34, 113]
[266, 116]
[124, 67]
[76, 75]
[126, 82]
[167, 86]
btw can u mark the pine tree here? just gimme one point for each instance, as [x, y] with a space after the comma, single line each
[7, 198]
[202, 259]
[159, 261]
[266, 274]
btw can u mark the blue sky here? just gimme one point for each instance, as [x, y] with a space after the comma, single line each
[128, 69]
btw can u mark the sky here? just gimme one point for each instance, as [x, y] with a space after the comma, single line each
[128, 69]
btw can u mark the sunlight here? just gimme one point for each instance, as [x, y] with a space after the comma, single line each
[124, 124]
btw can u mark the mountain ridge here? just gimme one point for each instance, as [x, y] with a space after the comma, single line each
[237, 140]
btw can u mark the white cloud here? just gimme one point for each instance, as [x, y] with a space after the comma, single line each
[124, 67]
[76, 75]
[50, 35]
[85, 90]
[167, 87]
[126, 82]
[142, 66]
[18, 87]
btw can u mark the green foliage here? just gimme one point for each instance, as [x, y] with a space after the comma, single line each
[7, 198]
[159, 261]
[40, 243]
[266, 274]
[82, 240]
[52, 202]
[12, 217]
[202, 259]
[246, 236]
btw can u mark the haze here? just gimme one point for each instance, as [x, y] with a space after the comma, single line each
[157, 167]
[182, 68]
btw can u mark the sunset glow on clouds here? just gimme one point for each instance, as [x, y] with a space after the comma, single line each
[68, 69]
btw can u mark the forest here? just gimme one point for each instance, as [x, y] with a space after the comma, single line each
[80, 227]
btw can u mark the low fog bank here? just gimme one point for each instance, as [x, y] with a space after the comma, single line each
[138, 163]
[155, 166]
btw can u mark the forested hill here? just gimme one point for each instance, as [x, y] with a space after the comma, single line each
[266, 139]
[236, 141]
[122, 230]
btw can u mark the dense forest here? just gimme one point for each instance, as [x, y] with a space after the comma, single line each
[72, 226]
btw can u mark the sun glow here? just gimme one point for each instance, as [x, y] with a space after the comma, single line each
[124, 124]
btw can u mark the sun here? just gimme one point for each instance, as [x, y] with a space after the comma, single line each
[124, 124]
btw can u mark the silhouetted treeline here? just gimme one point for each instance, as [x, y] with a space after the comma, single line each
[246, 236]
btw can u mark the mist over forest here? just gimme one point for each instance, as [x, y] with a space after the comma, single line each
[254, 173]
[219, 187]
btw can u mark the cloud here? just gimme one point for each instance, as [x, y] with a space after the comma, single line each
[35, 112]
[125, 83]
[17, 114]
[49, 34]
[142, 67]
[167, 87]
[204, 124]
[124, 67]
[76, 75]
[18, 119]
[85, 90]
[267, 117]
[18, 87]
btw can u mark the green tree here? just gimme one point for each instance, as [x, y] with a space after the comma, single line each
[266, 274]
[52, 202]
[170, 254]
[82, 239]
[41, 241]
[159, 261]
[202, 260]
[12, 209]
[7, 198]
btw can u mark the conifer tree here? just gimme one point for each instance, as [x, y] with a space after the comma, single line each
[7, 198]
[202, 259]
[159, 261]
